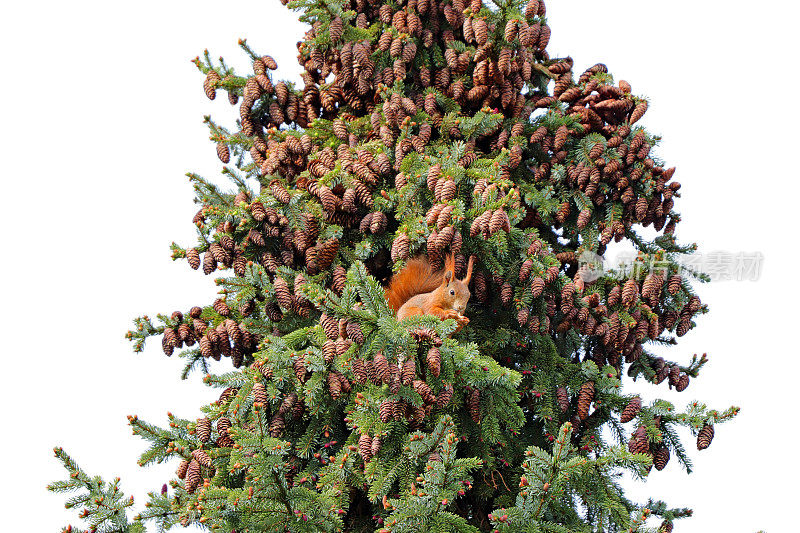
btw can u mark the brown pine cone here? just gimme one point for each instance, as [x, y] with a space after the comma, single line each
[409, 372]
[206, 347]
[562, 398]
[424, 390]
[683, 382]
[221, 307]
[674, 284]
[585, 397]
[638, 112]
[280, 192]
[382, 368]
[506, 293]
[192, 478]
[481, 29]
[258, 211]
[329, 325]
[181, 471]
[661, 457]
[630, 292]
[665, 527]
[444, 396]
[226, 395]
[329, 351]
[334, 386]
[276, 426]
[434, 360]
[203, 429]
[223, 153]
[638, 442]
[359, 371]
[170, 340]
[376, 445]
[631, 410]
[300, 370]
[209, 263]
[260, 395]
[705, 436]
[386, 410]
[202, 457]
[523, 315]
[193, 257]
[354, 332]
[537, 286]
[282, 293]
[365, 446]
[223, 425]
[210, 84]
[683, 327]
[473, 402]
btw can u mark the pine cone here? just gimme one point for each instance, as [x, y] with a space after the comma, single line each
[537, 286]
[434, 360]
[210, 84]
[376, 445]
[444, 396]
[424, 390]
[359, 371]
[260, 395]
[276, 426]
[223, 425]
[674, 284]
[300, 371]
[365, 446]
[203, 428]
[192, 478]
[630, 292]
[585, 397]
[638, 442]
[182, 468]
[334, 386]
[354, 332]
[661, 457]
[209, 263]
[221, 307]
[329, 351]
[506, 293]
[562, 398]
[330, 325]
[473, 402]
[386, 410]
[409, 371]
[202, 457]
[193, 257]
[705, 436]
[631, 410]
[382, 368]
[683, 382]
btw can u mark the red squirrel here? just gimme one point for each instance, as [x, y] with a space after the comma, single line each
[417, 289]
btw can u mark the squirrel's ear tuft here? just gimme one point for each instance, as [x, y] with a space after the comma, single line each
[470, 263]
[448, 275]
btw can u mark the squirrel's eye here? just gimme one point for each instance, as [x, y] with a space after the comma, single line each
[452, 291]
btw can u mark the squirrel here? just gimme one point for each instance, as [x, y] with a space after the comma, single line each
[417, 289]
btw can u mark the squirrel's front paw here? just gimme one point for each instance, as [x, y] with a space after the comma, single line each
[462, 320]
[451, 313]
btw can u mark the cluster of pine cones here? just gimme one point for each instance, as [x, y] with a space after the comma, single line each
[376, 128]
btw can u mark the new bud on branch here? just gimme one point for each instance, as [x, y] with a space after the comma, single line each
[404, 338]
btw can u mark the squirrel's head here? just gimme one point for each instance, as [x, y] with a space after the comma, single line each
[456, 291]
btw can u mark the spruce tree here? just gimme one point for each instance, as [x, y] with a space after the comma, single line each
[423, 128]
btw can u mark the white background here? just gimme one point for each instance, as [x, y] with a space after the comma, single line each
[102, 116]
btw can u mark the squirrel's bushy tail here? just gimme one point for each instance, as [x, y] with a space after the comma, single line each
[416, 277]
